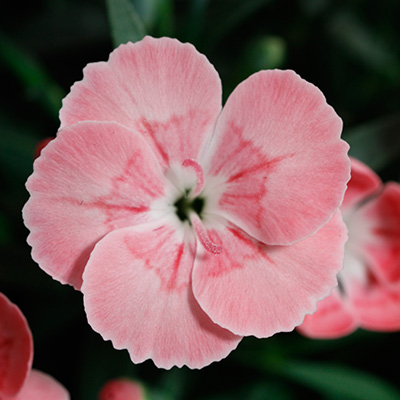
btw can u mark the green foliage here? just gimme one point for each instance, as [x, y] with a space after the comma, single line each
[33, 77]
[339, 381]
[364, 44]
[126, 25]
[377, 143]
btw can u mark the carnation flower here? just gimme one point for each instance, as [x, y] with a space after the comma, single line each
[187, 226]
[40, 386]
[41, 145]
[121, 389]
[16, 348]
[368, 295]
[17, 380]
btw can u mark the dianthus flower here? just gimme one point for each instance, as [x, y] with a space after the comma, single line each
[187, 227]
[16, 348]
[368, 294]
[121, 389]
[41, 145]
[17, 380]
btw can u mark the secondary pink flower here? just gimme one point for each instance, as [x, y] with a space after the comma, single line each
[40, 386]
[184, 225]
[16, 348]
[368, 295]
[121, 389]
[41, 145]
[17, 380]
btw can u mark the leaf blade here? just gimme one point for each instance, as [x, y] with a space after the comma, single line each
[340, 381]
[376, 143]
[125, 23]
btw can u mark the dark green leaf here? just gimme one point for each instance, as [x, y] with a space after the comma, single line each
[364, 44]
[166, 22]
[266, 52]
[32, 75]
[267, 390]
[195, 20]
[376, 143]
[101, 362]
[17, 148]
[126, 25]
[4, 230]
[227, 16]
[147, 11]
[339, 381]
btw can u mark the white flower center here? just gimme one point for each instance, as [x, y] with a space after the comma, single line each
[190, 204]
[354, 268]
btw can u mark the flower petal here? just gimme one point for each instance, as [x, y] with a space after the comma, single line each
[332, 319]
[161, 88]
[278, 150]
[16, 348]
[254, 289]
[137, 292]
[375, 233]
[93, 178]
[363, 183]
[40, 386]
[377, 306]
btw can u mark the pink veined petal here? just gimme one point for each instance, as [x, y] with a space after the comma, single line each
[16, 348]
[162, 88]
[377, 306]
[363, 183]
[379, 241]
[332, 319]
[277, 148]
[254, 289]
[137, 293]
[121, 389]
[93, 178]
[40, 386]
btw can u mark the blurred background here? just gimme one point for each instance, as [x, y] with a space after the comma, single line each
[349, 49]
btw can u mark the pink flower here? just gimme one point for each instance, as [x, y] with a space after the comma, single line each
[40, 386]
[368, 295]
[121, 389]
[17, 380]
[187, 227]
[41, 145]
[16, 348]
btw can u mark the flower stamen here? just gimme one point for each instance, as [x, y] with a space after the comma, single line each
[203, 236]
[189, 162]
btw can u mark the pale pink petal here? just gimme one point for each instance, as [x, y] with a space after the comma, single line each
[333, 319]
[161, 88]
[16, 348]
[375, 232]
[363, 183]
[137, 293]
[280, 161]
[254, 289]
[376, 306]
[40, 386]
[121, 389]
[93, 178]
